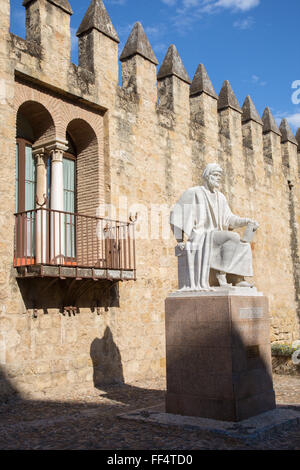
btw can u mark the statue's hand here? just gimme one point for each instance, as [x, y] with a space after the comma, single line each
[181, 246]
[179, 250]
[254, 223]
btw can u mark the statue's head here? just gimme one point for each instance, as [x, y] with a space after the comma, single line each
[212, 175]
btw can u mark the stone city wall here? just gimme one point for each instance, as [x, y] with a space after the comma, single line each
[155, 135]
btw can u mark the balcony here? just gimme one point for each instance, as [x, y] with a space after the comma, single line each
[57, 244]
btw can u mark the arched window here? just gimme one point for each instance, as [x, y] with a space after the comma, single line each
[34, 128]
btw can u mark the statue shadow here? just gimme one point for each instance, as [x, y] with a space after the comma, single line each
[108, 375]
[7, 389]
[106, 359]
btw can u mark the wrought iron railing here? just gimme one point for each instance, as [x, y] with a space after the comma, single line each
[52, 237]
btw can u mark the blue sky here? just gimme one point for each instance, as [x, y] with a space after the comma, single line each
[252, 43]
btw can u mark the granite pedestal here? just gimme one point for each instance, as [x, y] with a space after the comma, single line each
[218, 355]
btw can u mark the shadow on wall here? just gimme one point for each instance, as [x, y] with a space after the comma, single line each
[7, 390]
[107, 362]
[58, 293]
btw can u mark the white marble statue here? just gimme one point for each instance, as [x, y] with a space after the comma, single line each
[203, 215]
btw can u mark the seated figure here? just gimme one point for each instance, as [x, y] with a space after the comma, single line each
[203, 215]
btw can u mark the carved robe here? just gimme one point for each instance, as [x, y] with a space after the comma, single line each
[205, 218]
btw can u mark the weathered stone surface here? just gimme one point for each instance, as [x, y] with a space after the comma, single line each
[173, 65]
[138, 43]
[286, 133]
[97, 17]
[63, 4]
[227, 98]
[249, 111]
[201, 83]
[269, 122]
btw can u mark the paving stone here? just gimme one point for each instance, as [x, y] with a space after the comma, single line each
[87, 418]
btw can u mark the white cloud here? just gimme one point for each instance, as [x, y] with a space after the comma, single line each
[191, 3]
[160, 48]
[124, 31]
[152, 30]
[257, 81]
[243, 24]
[189, 11]
[243, 5]
[169, 2]
[212, 5]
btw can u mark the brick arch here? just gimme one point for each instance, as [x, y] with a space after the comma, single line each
[61, 110]
[71, 113]
[83, 135]
[27, 96]
[35, 123]
[90, 174]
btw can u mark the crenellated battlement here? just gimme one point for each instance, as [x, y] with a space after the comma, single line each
[48, 40]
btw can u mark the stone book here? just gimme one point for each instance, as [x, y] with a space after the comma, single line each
[249, 233]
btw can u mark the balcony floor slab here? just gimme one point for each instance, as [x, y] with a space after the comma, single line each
[66, 272]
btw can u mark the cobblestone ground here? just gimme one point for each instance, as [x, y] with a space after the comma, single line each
[89, 420]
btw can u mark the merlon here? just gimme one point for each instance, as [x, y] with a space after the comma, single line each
[250, 112]
[286, 133]
[97, 17]
[63, 4]
[227, 98]
[201, 83]
[138, 44]
[269, 124]
[173, 65]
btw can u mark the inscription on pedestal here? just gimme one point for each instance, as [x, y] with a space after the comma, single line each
[251, 313]
[252, 351]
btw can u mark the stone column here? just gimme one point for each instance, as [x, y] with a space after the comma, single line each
[41, 229]
[57, 235]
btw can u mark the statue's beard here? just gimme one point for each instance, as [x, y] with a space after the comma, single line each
[213, 184]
